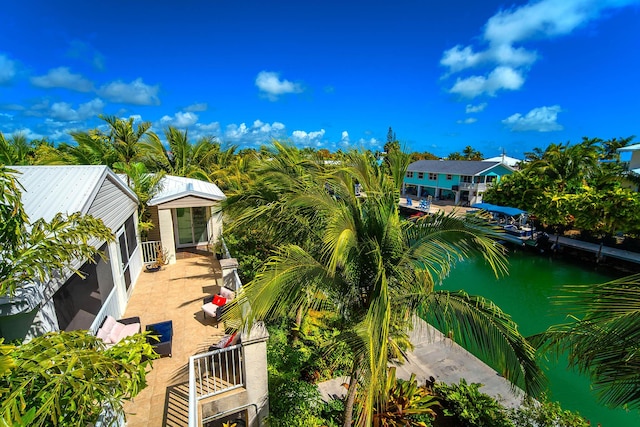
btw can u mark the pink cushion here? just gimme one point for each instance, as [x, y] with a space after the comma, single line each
[121, 331]
[227, 293]
[108, 324]
[219, 300]
[103, 335]
[114, 335]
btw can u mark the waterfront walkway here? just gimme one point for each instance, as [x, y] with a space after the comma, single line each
[439, 357]
[594, 248]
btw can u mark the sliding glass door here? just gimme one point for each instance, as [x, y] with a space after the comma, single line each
[191, 226]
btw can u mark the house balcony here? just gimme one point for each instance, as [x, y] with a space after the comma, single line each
[475, 186]
[176, 293]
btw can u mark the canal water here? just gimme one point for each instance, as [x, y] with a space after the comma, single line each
[524, 294]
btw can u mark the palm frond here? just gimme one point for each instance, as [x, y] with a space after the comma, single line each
[479, 324]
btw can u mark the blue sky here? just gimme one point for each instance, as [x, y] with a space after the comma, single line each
[328, 74]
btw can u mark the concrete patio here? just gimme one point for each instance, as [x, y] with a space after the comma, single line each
[174, 293]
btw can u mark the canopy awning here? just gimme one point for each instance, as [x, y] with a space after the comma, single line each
[505, 210]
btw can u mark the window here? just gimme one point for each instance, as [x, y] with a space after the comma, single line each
[409, 174]
[130, 230]
[420, 175]
[490, 178]
[433, 176]
[449, 177]
[466, 178]
[79, 300]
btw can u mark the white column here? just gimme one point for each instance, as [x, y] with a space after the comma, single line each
[167, 236]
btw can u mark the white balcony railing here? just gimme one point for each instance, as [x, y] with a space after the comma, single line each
[213, 373]
[150, 250]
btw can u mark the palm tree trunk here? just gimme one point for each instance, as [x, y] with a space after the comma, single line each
[296, 332]
[351, 393]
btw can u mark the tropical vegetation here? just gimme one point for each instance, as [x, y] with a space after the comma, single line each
[580, 186]
[60, 378]
[355, 256]
[312, 245]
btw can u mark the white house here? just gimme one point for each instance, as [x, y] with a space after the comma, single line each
[66, 301]
[186, 214]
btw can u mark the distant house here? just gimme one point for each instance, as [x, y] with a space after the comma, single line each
[461, 181]
[185, 214]
[634, 164]
[509, 161]
[66, 301]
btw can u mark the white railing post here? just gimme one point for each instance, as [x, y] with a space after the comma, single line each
[193, 400]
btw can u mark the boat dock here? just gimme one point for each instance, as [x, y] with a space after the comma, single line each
[600, 252]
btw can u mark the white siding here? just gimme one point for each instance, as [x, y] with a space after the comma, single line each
[187, 202]
[111, 205]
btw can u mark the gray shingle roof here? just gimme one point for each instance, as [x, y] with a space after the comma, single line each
[452, 167]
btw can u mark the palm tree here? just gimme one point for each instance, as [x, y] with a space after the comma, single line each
[182, 158]
[604, 338]
[126, 138]
[146, 185]
[16, 150]
[358, 257]
[91, 148]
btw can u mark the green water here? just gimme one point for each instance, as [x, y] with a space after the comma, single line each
[524, 294]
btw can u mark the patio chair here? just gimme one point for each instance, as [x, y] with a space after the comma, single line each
[213, 305]
[164, 331]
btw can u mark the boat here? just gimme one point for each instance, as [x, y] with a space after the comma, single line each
[516, 223]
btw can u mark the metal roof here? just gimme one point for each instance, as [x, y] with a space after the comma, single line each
[633, 147]
[49, 190]
[453, 167]
[177, 187]
[510, 161]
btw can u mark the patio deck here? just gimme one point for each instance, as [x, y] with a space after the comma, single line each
[174, 293]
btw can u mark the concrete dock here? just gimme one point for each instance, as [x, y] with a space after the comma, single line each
[439, 357]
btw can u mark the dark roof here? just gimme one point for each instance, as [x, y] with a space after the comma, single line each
[451, 167]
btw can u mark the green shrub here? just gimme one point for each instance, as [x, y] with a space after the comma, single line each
[470, 407]
[544, 413]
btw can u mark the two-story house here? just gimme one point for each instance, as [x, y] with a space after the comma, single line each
[633, 164]
[462, 181]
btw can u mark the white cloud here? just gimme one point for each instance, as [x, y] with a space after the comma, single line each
[544, 19]
[257, 134]
[501, 78]
[475, 108]
[213, 127]
[344, 140]
[136, 92]
[271, 86]
[180, 119]
[64, 111]
[62, 77]
[541, 119]
[7, 69]
[202, 106]
[459, 58]
[308, 139]
[467, 121]
[371, 143]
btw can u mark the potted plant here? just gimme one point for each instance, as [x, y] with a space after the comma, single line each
[160, 260]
